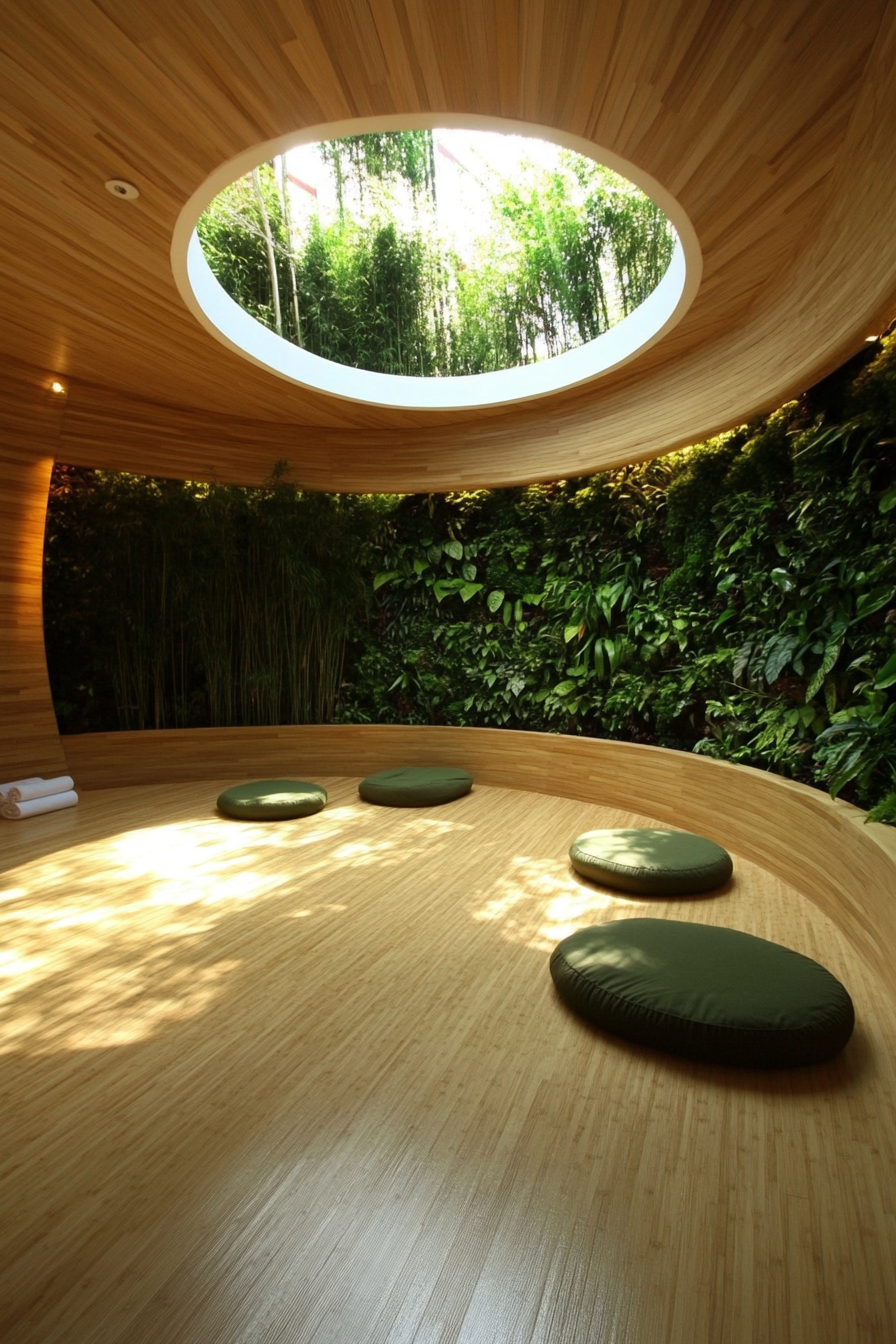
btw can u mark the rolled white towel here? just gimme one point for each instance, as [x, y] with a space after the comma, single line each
[35, 807]
[39, 788]
[17, 784]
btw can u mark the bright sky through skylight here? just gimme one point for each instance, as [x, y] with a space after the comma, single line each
[470, 165]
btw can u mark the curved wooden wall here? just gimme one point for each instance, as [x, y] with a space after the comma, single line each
[821, 846]
[768, 120]
[29, 740]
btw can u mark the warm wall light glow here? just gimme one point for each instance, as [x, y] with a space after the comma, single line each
[57, 387]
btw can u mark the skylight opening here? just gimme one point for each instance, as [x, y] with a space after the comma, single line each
[436, 267]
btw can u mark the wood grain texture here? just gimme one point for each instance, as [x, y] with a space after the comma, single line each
[769, 122]
[310, 1082]
[820, 846]
[29, 739]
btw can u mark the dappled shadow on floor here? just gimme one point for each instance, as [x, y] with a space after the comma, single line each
[103, 943]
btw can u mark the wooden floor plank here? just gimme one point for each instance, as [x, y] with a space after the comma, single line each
[309, 1082]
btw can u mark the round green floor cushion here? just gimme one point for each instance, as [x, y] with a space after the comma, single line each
[415, 786]
[704, 992]
[272, 800]
[649, 862]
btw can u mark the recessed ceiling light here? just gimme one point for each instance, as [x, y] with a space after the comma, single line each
[57, 387]
[126, 191]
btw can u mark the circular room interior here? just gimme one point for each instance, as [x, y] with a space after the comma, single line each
[211, 1132]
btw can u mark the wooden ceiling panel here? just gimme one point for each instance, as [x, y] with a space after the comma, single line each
[745, 110]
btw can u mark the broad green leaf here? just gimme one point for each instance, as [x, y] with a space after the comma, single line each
[887, 675]
[831, 654]
[571, 632]
[442, 587]
[782, 579]
[470, 590]
[742, 660]
[888, 500]
[469, 572]
[494, 600]
[454, 549]
[777, 655]
[381, 579]
[871, 602]
[564, 688]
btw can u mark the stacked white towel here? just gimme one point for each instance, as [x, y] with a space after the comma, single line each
[32, 797]
[17, 784]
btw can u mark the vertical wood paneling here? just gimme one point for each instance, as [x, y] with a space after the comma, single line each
[29, 739]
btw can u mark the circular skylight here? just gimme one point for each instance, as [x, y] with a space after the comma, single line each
[448, 266]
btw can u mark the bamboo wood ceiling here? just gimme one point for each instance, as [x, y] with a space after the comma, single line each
[771, 121]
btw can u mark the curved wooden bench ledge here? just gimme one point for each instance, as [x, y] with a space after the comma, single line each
[821, 846]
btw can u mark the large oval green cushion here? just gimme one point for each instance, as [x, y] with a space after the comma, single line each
[272, 800]
[704, 992]
[651, 862]
[415, 786]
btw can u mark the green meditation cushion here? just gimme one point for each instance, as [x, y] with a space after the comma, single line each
[415, 786]
[704, 992]
[648, 862]
[272, 800]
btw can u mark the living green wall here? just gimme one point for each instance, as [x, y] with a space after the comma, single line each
[737, 598]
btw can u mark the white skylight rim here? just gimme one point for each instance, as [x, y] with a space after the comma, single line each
[236, 329]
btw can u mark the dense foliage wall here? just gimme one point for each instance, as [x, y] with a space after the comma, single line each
[170, 604]
[737, 598]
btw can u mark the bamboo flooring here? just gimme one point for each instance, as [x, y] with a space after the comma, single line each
[309, 1083]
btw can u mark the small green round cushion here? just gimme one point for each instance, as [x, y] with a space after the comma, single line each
[704, 992]
[415, 786]
[649, 862]
[272, 800]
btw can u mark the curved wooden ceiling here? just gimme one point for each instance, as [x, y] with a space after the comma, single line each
[770, 121]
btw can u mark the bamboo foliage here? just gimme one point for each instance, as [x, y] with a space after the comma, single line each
[568, 252]
[205, 604]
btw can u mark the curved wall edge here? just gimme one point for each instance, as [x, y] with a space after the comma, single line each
[820, 846]
[29, 429]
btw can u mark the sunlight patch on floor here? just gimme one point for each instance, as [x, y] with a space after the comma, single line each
[540, 902]
[102, 944]
[105, 943]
